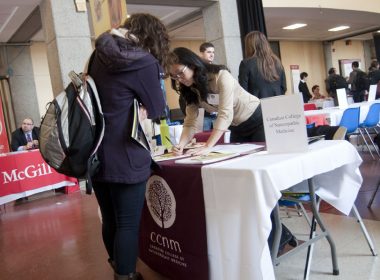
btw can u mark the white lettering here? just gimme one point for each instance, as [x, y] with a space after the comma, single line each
[30, 171]
[165, 242]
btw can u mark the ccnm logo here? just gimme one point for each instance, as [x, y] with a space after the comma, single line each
[161, 201]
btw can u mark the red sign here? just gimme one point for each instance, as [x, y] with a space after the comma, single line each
[27, 171]
[4, 144]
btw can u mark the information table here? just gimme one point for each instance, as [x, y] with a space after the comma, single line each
[26, 173]
[239, 194]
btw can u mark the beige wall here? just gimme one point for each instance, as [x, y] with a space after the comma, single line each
[41, 75]
[350, 50]
[310, 58]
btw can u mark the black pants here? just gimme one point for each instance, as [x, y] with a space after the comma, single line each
[358, 96]
[326, 130]
[121, 206]
[252, 130]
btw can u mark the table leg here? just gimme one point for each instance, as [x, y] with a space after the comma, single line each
[314, 208]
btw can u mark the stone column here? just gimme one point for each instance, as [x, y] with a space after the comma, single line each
[327, 51]
[21, 81]
[67, 36]
[221, 26]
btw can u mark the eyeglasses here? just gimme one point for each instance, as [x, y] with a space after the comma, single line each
[181, 74]
[27, 123]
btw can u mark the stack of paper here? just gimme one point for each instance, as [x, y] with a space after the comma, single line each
[222, 152]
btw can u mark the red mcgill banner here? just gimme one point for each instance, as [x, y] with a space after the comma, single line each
[27, 171]
[4, 144]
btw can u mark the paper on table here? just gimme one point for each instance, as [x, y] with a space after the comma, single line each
[168, 156]
[238, 148]
[209, 158]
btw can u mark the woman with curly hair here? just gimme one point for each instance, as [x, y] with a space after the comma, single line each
[261, 72]
[127, 64]
[213, 88]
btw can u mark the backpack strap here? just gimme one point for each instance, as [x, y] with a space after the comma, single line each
[93, 162]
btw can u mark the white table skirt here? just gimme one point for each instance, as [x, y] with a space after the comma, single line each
[334, 114]
[241, 193]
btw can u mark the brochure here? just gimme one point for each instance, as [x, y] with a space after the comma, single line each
[209, 158]
[168, 156]
[137, 131]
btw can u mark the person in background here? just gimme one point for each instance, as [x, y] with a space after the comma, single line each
[356, 80]
[128, 64]
[207, 51]
[303, 88]
[316, 93]
[374, 73]
[333, 82]
[374, 76]
[213, 88]
[261, 72]
[25, 137]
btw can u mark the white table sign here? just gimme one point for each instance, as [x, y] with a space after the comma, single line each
[284, 124]
[342, 97]
[372, 93]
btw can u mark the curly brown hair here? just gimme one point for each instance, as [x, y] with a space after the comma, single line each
[152, 35]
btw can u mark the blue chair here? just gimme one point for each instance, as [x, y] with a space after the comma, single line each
[370, 124]
[310, 125]
[350, 120]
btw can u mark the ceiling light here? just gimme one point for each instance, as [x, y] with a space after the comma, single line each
[339, 28]
[295, 26]
[378, 31]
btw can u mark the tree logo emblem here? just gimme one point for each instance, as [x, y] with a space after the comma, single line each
[161, 201]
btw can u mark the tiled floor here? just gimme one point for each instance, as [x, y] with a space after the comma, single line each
[57, 236]
[355, 260]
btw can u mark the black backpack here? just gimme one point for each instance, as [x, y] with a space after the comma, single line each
[337, 81]
[361, 81]
[72, 130]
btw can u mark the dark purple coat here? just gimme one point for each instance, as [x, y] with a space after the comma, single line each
[121, 73]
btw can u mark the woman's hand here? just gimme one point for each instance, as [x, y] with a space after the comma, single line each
[177, 150]
[201, 151]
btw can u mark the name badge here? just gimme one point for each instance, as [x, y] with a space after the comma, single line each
[213, 99]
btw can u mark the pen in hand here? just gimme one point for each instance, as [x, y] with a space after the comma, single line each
[170, 141]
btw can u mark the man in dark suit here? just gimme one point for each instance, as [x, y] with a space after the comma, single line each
[25, 137]
[303, 88]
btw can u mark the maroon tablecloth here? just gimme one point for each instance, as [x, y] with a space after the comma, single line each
[173, 237]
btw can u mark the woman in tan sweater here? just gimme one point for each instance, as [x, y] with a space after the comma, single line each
[213, 88]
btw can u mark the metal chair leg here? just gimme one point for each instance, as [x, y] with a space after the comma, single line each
[366, 143]
[364, 230]
[372, 143]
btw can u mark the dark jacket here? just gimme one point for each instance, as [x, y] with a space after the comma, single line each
[302, 87]
[253, 82]
[121, 73]
[374, 77]
[19, 139]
